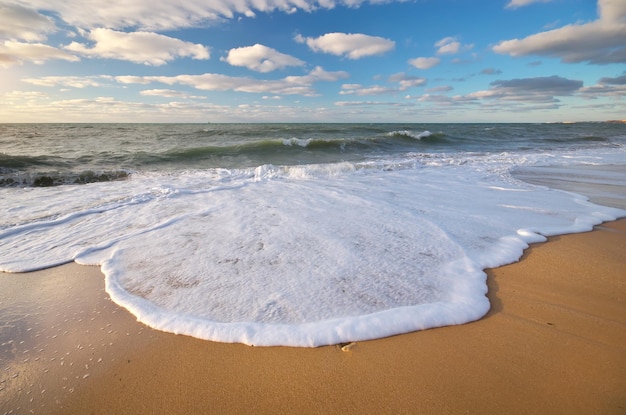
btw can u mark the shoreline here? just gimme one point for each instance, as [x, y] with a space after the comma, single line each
[554, 341]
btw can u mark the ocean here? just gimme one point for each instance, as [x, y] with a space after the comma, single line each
[295, 234]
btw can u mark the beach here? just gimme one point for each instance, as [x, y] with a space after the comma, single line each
[554, 341]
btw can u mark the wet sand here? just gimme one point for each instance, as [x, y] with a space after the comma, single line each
[554, 342]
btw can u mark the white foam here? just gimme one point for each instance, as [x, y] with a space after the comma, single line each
[412, 134]
[295, 141]
[301, 255]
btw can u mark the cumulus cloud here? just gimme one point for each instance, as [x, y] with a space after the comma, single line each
[19, 22]
[260, 58]
[350, 45]
[598, 42]
[424, 63]
[139, 47]
[15, 53]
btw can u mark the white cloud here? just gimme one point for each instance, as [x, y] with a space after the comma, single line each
[599, 42]
[289, 85]
[132, 79]
[403, 80]
[445, 99]
[68, 81]
[27, 106]
[167, 93]
[158, 15]
[19, 22]
[25, 94]
[139, 47]
[369, 103]
[357, 89]
[318, 74]
[514, 4]
[260, 58]
[350, 45]
[15, 53]
[21, 99]
[424, 63]
[407, 81]
[141, 14]
[450, 46]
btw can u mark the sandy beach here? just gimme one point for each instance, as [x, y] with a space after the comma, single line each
[554, 342]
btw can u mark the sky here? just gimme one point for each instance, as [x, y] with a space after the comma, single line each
[312, 60]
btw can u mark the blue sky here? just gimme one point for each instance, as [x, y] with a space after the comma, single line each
[312, 60]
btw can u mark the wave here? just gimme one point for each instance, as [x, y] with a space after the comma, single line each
[54, 154]
[574, 139]
[356, 143]
[14, 178]
[595, 138]
[20, 162]
[410, 134]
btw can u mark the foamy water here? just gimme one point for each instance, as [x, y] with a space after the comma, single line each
[306, 254]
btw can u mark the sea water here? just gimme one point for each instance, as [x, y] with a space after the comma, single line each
[293, 234]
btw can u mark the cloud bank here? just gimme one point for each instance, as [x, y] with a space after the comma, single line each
[158, 15]
[290, 85]
[21, 23]
[602, 41]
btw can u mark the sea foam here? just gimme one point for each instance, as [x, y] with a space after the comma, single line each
[296, 255]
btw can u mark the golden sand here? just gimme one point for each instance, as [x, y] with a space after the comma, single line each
[553, 342]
